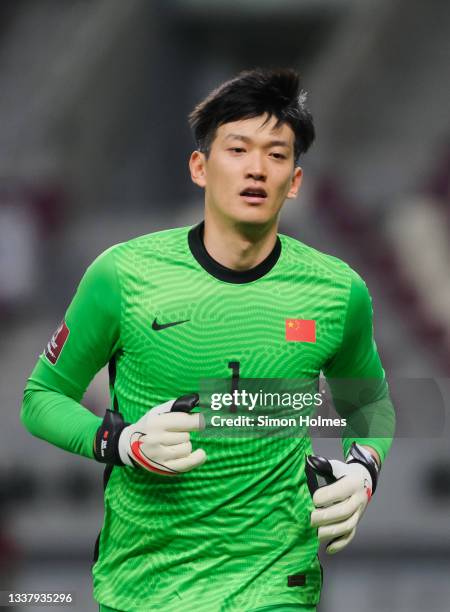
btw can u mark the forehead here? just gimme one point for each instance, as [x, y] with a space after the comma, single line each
[257, 128]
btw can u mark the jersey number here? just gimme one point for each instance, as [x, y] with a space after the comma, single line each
[234, 366]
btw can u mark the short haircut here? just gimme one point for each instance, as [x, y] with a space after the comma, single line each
[251, 94]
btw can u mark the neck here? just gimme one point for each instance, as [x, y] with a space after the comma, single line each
[238, 246]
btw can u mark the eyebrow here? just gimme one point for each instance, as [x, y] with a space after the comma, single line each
[272, 143]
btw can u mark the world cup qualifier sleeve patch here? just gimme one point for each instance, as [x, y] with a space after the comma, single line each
[56, 344]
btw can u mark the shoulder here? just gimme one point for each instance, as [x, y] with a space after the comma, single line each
[143, 246]
[297, 252]
[325, 267]
[162, 239]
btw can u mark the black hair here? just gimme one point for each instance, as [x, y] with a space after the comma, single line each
[250, 94]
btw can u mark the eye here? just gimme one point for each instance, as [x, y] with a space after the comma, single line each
[278, 155]
[237, 149]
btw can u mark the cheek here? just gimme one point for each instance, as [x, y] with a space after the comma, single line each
[285, 185]
[223, 180]
[220, 185]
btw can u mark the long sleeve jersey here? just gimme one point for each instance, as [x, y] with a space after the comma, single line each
[165, 315]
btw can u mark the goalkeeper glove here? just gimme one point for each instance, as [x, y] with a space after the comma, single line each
[158, 442]
[343, 496]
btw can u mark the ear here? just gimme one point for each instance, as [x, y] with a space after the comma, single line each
[296, 182]
[197, 167]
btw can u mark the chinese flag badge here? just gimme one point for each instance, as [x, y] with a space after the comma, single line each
[300, 330]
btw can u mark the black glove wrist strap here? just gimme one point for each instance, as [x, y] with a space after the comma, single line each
[106, 448]
[358, 454]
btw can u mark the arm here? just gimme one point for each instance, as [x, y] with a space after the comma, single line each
[360, 393]
[357, 381]
[51, 407]
[86, 340]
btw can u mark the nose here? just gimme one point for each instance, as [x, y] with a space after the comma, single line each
[256, 169]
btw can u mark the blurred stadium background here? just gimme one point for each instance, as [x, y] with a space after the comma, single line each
[94, 144]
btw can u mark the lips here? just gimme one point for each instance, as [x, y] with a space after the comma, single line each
[254, 195]
[258, 192]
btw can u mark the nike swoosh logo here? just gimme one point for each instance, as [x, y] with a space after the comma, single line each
[159, 326]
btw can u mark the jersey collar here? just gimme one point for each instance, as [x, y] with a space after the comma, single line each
[213, 267]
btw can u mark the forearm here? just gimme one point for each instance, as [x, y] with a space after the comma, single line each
[372, 426]
[60, 420]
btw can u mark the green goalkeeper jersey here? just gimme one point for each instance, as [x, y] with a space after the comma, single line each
[233, 534]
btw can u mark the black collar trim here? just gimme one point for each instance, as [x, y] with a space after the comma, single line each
[198, 250]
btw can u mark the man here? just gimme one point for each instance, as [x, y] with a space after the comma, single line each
[230, 525]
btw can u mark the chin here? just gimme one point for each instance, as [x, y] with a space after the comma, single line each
[255, 217]
[256, 220]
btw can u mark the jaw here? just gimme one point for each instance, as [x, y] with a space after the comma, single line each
[251, 220]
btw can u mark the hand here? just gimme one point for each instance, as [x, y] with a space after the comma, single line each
[159, 442]
[340, 504]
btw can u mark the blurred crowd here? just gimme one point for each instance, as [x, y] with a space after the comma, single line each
[94, 150]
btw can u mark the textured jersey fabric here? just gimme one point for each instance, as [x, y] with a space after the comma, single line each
[275, 608]
[227, 535]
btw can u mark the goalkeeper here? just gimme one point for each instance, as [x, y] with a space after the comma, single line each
[191, 522]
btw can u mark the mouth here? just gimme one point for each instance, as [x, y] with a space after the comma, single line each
[254, 195]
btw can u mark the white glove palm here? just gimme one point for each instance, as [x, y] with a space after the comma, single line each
[341, 503]
[160, 441]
